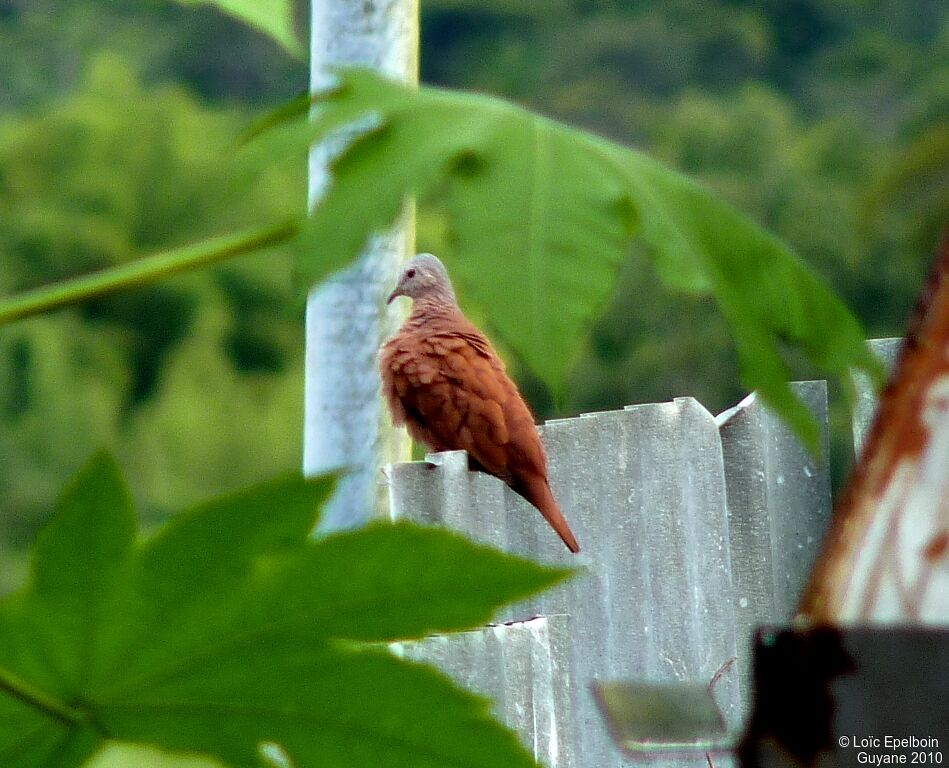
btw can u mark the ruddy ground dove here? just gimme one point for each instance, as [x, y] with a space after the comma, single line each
[444, 381]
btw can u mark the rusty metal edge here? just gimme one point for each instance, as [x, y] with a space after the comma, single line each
[892, 437]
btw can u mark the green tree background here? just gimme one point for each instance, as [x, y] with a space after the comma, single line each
[826, 121]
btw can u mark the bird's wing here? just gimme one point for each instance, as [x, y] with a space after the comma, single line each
[452, 393]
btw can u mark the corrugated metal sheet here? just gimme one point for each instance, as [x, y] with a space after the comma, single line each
[692, 529]
[865, 406]
[779, 505]
[524, 668]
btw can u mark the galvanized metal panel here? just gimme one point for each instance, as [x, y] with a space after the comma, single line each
[644, 491]
[865, 406]
[779, 506]
[524, 668]
[648, 504]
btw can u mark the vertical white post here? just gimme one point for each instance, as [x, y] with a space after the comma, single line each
[346, 317]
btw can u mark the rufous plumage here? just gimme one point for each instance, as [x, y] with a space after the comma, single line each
[444, 381]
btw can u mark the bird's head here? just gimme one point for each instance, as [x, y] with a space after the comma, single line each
[424, 276]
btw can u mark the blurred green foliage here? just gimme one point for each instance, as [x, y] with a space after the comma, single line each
[171, 375]
[825, 121]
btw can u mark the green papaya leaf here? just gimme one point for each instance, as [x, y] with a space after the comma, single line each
[412, 588]
[120, 755]
[325, 704]
[272, 17]
[231, 627]
[540, 217]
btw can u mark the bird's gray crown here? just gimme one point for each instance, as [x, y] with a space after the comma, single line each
[424, 277]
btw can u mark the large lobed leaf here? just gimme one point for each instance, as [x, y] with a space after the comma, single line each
[230, 628]
[541, 216]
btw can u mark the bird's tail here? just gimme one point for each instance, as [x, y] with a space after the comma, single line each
[537, 492]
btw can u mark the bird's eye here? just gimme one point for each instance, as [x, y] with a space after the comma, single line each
[410, 274]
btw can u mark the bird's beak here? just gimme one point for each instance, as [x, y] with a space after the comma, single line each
[392, 295]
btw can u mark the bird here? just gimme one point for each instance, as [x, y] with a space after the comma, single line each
[445, 382]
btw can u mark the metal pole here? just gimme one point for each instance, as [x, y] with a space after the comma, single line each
[345, 422]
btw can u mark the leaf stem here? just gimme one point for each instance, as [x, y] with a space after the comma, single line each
[142, 271]
[37, 699]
